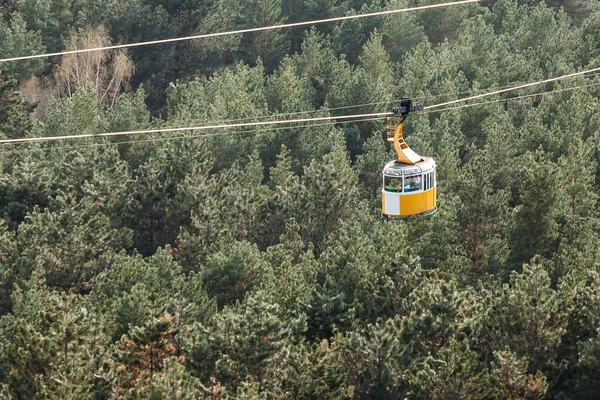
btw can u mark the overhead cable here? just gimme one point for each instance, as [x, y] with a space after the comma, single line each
[526, 85]
[292, 113]
[347, 118]
[394, 101]
[187, 137]
[513, 98]
[240, 31]
[192, 128]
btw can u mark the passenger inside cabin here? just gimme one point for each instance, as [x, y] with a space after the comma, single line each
[416, 183]
[412, 184]
[395, 185]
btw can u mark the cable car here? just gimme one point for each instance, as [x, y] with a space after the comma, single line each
[409, 183]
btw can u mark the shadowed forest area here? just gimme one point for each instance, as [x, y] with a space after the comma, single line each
[253, 262]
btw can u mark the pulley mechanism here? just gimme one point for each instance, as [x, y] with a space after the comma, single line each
[406, 107]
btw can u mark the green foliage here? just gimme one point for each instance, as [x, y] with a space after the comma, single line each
[482, 216]
[79, 113]
[453, 374]
[241, 344]
[135, 287]
[372, 359]
[308, 371]
[286, 200]
[529, 316]
[510, 378]
[146, 350]
[374, 277]
[447, 20]
[331, 185]
[129, 113]
[368, 84]
[52, 345]
[155, 66]
[292, 271]
[16, 40]
[267, 46]
[233, 271]
[27, 185]
[535, 218]
[174, 383]
[368, 166]
[73, 244]
[437, 315]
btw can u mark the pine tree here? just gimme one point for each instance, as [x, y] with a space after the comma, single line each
[308, 371]
[510, 378]
[372, 359]
[369, 166]
[482, 214]
[241, 344]
[292, 272]
[286, 201]
[230, 273]
[535, 224]
[530, 317]
[268, 46]
[454, 373]
[52, 345]
[333, 189]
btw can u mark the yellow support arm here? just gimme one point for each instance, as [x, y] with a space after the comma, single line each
[405, 154]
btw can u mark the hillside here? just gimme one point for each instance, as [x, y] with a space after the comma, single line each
[252, 261]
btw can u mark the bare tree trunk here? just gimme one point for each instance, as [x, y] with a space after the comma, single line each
[93, 69]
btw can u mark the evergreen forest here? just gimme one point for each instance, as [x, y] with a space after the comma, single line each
[253, 262]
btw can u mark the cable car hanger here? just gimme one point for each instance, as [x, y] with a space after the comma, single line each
[409, 182]
[405, 154]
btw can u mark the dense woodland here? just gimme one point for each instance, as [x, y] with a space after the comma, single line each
[253, 263]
